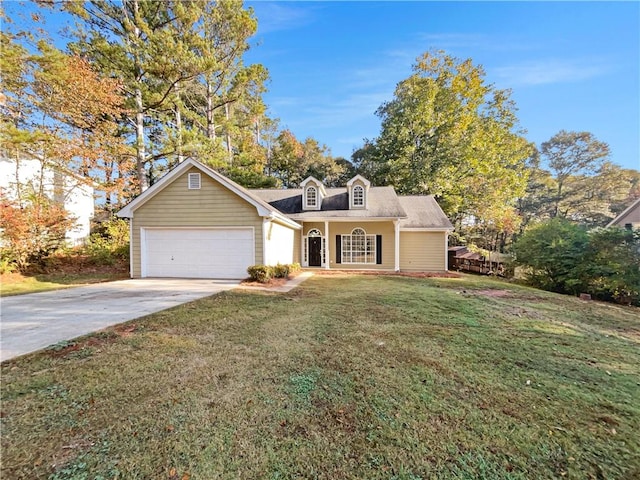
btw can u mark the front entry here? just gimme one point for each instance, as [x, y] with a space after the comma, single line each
[315, 251]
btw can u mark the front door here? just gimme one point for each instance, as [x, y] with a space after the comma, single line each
[315, 251]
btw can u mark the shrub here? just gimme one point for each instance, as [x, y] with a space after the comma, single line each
[109, 243]
[562, 257]
[280, 271]
[32, 231]
[294, 268]
[260, 273]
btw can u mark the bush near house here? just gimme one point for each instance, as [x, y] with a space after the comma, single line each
[563, 257]
[264, 273]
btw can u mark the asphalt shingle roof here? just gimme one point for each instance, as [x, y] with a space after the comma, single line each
[382, 202]
[416, 211]
[423, 212]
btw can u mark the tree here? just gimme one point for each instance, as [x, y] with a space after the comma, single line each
[551, 251]
[448, 133]
[578, 182]
[563, 257]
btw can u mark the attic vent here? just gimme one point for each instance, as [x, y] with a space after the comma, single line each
[194, 181]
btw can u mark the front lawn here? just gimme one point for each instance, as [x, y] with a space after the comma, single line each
[17, 284]
[345, 377]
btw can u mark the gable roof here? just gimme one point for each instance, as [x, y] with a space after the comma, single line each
[627, 211]
[423, 212]
[263, 208]
[382, 203]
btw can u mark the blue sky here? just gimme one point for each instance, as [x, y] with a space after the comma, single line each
[572, 66]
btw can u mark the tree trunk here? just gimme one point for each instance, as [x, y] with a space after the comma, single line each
[179, 125]
[226, 113]
[140, 145]
[211, 126]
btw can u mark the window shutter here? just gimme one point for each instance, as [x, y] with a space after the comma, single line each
[379, 249]
[338, 249]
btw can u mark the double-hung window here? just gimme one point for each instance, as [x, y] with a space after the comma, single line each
[312, 197]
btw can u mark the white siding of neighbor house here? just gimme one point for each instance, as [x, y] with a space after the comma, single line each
[175, 206]
[423, 251]
[280, 244]
[76, 197]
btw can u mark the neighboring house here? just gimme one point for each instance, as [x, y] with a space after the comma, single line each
[19, 178]
[629, 218]
[194, 222]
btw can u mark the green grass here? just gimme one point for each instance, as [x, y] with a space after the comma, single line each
[345, 377]
[18, 285]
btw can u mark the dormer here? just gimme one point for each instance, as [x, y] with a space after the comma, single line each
[312, 194]
[358, 188]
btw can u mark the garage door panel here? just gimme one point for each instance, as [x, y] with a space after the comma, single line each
[198, 253]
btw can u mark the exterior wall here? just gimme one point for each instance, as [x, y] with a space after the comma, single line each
[73, 194]
[280, 243]
[632, 217]
[386, 229]
[211, 206]
[423, 251]
[297, 246]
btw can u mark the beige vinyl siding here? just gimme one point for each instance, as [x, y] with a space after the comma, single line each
[422, 251]
[386, 229]
[280, 244]
[308, 226]
[297, 246]
[213, 205]
[632, 217]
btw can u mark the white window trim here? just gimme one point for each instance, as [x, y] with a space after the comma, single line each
[369, 254]
[315, 197]
[313, 233]
[353, 197]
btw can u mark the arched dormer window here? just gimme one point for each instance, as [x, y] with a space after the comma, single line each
[312, 197]
[358, 196]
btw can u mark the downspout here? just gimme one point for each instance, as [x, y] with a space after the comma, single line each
[396, 224]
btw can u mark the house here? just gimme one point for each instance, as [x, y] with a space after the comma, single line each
[629, 218]
[194, 222]
[19, 177]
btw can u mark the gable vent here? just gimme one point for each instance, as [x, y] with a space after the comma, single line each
[194, 181]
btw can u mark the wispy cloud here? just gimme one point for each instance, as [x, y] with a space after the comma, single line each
[552, 71]
[475, 41]
[277, 16]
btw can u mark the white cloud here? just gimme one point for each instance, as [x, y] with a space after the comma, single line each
[547, 72]
[275, 17]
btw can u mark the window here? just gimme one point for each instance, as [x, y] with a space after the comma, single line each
[358, 247]
[358, 196]
[312, 197]
[194, 181]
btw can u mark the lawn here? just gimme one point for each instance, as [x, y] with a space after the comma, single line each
[345, 377]
[16, 284]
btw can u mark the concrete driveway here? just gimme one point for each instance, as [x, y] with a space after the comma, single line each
[34, 321]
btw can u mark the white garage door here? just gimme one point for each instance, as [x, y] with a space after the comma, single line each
[197, 253]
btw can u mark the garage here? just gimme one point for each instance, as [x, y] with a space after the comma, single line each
[197, 252]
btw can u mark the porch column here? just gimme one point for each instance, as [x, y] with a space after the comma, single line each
[396, 224]
[327, 258]
[446, 250]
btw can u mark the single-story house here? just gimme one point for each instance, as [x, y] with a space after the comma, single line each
[629, 218]
[194, 222]
[19, 178]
